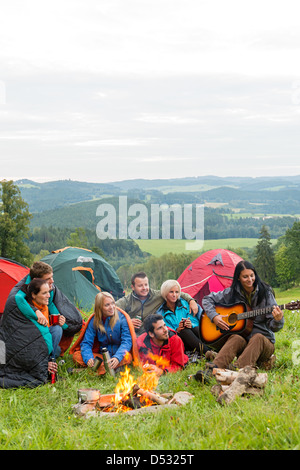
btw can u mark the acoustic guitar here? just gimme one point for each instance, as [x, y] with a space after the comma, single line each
[238, 318]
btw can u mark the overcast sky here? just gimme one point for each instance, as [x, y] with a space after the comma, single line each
[107, 90]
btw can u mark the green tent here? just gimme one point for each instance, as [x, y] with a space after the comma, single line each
[81, 274]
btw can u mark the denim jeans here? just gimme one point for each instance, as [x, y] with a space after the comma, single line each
[56, 333]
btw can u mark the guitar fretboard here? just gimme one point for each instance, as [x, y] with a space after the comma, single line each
[259, 311]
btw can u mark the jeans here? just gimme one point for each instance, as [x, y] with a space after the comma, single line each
[56, 333]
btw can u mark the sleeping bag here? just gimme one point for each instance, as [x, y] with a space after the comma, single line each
[25, 345]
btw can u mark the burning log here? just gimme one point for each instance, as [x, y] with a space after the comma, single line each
[154, 397]
[232, 384]
[136, 398]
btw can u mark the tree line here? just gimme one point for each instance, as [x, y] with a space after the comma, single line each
[278, 265]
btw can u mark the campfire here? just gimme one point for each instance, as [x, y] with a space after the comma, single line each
[131, 395]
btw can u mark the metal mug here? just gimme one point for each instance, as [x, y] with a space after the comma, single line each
[54, 319]
[97, 362]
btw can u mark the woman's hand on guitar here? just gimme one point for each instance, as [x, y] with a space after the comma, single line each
[220, 323]
[277, 313]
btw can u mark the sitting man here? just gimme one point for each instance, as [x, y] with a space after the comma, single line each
[158, 343]
[143, 301]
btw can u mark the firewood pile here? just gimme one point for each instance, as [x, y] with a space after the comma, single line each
[231, 384]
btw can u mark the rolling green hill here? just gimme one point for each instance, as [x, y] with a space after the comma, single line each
[264, 194]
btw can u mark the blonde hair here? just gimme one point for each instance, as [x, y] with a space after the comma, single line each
[167, 286]
[98, 310]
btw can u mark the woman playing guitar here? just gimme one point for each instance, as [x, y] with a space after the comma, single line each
[253, 342]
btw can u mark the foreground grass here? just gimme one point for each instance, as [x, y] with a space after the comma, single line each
[43, 419]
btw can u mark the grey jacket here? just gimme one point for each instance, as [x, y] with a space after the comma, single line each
[264, 324]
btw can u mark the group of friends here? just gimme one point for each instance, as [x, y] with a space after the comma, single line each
[148, 324]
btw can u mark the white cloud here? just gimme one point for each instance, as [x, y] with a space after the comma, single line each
[157, 36]
[108, 142]
[117, 89]
[166, 119]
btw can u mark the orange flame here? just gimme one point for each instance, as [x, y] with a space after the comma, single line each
[148, 381]
[160, 361]
[124, 386]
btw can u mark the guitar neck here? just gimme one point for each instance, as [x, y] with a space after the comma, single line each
[259, 311]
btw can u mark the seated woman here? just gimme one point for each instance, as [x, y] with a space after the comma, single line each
[253, 347]
[38, 294]
[107, 327]
[177, 316]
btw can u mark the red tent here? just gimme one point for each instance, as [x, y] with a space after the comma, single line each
[210, 272]
[11, 273]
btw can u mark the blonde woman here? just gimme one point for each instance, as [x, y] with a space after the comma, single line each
[107, 327]
[176, 313]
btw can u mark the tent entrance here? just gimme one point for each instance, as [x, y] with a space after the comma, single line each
[88, 273]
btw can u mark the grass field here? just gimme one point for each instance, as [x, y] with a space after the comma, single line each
[160, 247]
[42, 418]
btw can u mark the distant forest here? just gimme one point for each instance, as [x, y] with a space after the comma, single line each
[234, 208]
[267, 195]
[218, 223]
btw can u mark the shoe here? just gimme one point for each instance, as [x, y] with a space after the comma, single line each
[203, 376]
[269, 364]
[210, 355]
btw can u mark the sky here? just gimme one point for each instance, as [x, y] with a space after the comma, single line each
[109, 90]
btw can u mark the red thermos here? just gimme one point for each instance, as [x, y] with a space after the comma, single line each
[53, 373]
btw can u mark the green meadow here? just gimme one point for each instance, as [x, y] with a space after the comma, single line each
[43, 418]
[160, 247]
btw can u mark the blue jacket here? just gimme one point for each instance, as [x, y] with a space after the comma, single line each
[117, 340]
[182, 310]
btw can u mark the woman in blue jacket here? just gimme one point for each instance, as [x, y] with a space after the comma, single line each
[177, 316]
[107, 327]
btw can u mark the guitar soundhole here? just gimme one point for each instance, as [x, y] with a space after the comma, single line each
[232, 318]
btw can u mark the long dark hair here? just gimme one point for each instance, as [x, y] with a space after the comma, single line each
[263, 287]
[34, 287]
